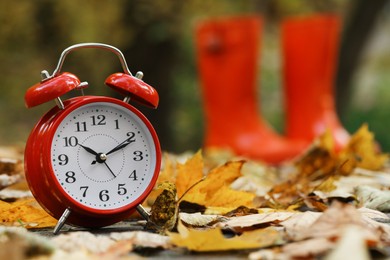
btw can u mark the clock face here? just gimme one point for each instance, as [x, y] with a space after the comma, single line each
[103, 155]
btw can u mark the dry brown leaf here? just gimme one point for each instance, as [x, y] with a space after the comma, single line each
[164, 210]
[11, 172]
[83, 241]
[241, 211]
[314, 233]
[299, 222]
[18, 243]
[16, 191]
[320, 168]
[307, 249]
[350, 246]
[373, 198]
[198, 219]
[142, 239]
[334, 220]
[253, 221]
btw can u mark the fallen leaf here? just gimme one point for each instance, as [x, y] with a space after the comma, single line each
[83, 241]
[189, 173]
[143, 239]
[362, 151]
[11, 171]
[249, 222]
[373, 198]
[307, 249]
[214, 191]
[256, 178]
[334, 220]
[320, 168]
[210, 240]
[241, 211]
[299, 222]
[18, 243]
[198, 219]
[164, 210]
[167, 174]
[319, 159]
[16, 191]
[26, 213]
[264, 254]
[351, 245]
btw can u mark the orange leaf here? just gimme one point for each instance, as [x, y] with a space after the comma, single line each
[189, 173]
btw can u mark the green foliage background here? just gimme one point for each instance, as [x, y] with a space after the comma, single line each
[157, 38]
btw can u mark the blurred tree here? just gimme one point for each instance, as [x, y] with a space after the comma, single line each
[154, 50]
[156, 37]
[358, 28]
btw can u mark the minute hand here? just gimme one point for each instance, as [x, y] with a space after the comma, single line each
[122, 145]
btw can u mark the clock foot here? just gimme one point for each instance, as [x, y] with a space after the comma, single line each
[61, 221]
[142, 211]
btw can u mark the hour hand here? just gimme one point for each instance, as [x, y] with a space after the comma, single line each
[89, 150]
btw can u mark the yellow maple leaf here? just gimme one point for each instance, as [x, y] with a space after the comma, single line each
[319, 157]
[168, 172]
[227, 197]
[215, 190]
[213, 240]
[189, 173]
[27, 213]
[362, 151]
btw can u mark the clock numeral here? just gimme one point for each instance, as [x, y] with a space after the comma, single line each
[138, 156]
[116, 124]
[133, 175]
[81, 127]
[98, 120]
[131, 137]
[70, 177]
[63, 158]
[71, 141]
[103, 195]
[84, 189]
[121, 189]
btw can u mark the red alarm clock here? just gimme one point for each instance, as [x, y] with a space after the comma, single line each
[91, 160]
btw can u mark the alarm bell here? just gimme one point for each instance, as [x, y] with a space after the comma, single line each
[134, 87]
[58, 84]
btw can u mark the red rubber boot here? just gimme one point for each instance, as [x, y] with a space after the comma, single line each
[310, 46]
[227, 52]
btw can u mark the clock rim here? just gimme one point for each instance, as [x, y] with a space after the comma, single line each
[46, 128]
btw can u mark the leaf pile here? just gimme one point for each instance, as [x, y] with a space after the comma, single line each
[325, 203]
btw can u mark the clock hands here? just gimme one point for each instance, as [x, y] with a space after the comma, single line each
[116, 148]
[102, 157]
[123, 144]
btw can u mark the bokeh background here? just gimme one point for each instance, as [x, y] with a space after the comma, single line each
[156, 37]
